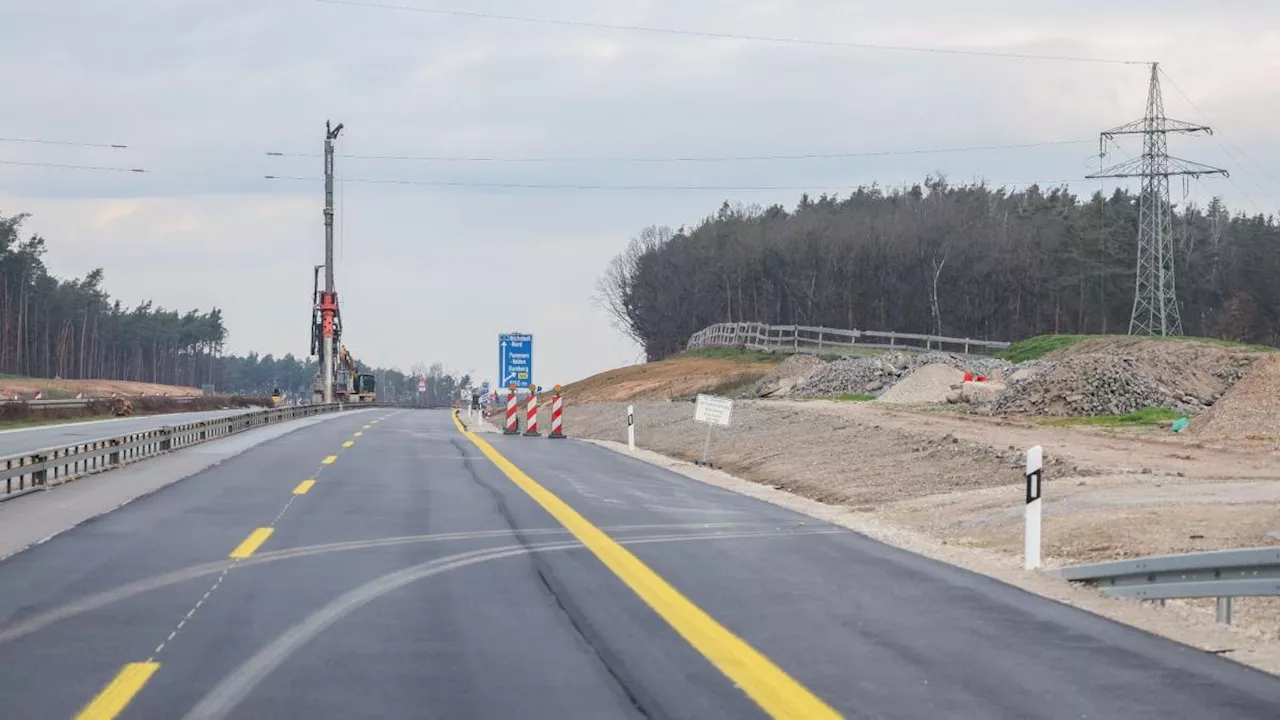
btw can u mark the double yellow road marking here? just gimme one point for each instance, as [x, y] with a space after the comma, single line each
[776, 692]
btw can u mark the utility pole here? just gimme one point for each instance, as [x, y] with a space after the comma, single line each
[1155, 299]
[329, 299]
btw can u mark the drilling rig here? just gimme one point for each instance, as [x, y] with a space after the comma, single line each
[338, 378]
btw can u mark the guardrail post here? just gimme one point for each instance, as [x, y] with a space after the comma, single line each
[38, 476]
[114, 457]
[1224, 610]
[166, 441]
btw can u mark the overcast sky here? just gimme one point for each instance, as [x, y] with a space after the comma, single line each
[200, 89]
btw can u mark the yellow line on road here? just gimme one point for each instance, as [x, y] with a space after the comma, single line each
[348, 443]
[358, 433]
[329, 460]
[776, 692]
[116, 695]
[366, 427]
[303, 487]
[252, 543]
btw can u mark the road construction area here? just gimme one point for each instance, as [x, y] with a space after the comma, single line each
[392, 564]
[887, 441]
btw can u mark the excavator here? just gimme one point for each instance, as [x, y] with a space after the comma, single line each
[349, 384]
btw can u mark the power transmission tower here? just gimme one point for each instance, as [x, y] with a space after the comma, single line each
[1155, 299]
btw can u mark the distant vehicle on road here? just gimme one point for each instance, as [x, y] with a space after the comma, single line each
[366, 388]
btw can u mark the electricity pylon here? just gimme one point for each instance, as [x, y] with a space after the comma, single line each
[1155, 299]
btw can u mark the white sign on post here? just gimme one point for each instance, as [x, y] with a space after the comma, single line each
[713, 409]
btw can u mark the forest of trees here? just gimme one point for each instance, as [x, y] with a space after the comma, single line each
[974, 261]
[73, 329]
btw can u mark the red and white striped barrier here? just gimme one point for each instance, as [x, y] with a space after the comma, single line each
[557, 412]
[511, 428]
[531, 412]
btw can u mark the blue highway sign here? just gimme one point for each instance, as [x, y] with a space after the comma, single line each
[515, 359]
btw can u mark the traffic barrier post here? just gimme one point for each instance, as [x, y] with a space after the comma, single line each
[1031, 541]
[557, 419]
[512, 426]
[631, 428]
[531, 412]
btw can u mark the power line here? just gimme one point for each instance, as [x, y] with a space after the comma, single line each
[582, 186]
[72, 167]
[579, 158]
[61, 142]
[728, 36]
[1234, 159]
[696, 158]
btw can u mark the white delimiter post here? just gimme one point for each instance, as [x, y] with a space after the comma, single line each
[631, 428]
[1031, 548]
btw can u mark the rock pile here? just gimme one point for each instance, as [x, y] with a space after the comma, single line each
[878, 373]
[1089, 385]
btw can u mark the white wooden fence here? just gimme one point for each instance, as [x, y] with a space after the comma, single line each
[806, 339]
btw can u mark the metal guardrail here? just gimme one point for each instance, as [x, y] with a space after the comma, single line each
[1221, 574]
[42, 469]
[84, 402]
[807, 339]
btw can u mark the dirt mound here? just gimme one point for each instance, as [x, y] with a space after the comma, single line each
[1191, 368]
[1249, 409]
[792, 373]
[929, 384]
[57, 388]
[1094, 384]
[149, 405]
[678, 377]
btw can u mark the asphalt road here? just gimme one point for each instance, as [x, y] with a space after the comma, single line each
[419, 577]
[37, 437]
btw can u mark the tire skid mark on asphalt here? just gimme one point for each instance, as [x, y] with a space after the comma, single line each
[124, 592]
[112, 699]
[236, 686]
[772, 689]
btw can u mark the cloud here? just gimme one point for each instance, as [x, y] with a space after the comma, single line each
[200, 91]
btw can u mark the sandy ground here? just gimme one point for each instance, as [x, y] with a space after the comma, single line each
[26, 387]
[675, 377]
[956, 481]
[1252, 640]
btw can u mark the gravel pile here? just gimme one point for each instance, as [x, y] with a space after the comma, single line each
[878, 373]
[791, 373]
[1089, 385]
[928, 384]
[1250, 408]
